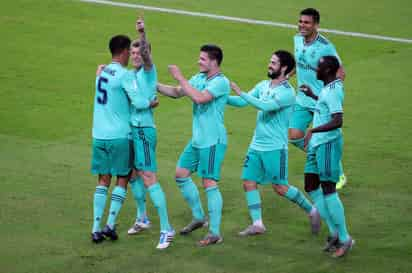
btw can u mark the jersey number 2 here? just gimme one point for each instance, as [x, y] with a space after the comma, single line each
[103, 98]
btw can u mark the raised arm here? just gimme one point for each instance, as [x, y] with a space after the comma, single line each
[195, 95]
[144, 44]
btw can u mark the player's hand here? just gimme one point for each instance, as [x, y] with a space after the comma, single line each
[235, 88]
[308, 136]
[140, 25]
[154, 103]
[306, 90]
[174, 70]
[100, 68]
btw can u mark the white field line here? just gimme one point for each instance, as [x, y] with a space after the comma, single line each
[245, 20]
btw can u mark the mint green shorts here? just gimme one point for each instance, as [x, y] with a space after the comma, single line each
[301, 118]
[144, 145]
[112, 156]
[324, 160]
[266, 167]
[206, 161]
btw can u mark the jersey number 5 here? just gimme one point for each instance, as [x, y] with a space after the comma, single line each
[103, 98]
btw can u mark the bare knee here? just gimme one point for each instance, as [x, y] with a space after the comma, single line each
[209, 183]
[249, 185]
[295, 134]
[182, 172]
[280, 189]
[149, 178]
[104, 180]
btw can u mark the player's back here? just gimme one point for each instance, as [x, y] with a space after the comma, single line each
[111, 117]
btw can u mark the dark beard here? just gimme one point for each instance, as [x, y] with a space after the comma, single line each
[274, 75]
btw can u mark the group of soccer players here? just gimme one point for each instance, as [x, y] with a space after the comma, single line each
[124, 136]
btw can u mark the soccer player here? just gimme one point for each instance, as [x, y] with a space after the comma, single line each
[111, 144]
[209, 90]
[267, 157]
[324, 151]
[140, 86]
[310, 46]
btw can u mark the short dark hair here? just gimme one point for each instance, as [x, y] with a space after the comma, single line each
[119, 43]
[285, 59]
[332, 63]
[312, 12]
[214, 52]
[136, 43]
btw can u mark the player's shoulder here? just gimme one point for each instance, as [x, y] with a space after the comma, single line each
[322, 40]
[286, 88]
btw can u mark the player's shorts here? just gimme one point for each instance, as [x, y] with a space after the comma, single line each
[301, 118]
[266, 167]
[324, 160]
[206, 161]
[144, 143]
[112, 156]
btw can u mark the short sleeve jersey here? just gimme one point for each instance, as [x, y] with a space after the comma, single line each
[307, 58]
[330, 101]
[208, 126]
[141, 85]
[111, 114]
[271, 131]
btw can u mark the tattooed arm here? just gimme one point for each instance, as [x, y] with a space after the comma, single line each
[144, 45]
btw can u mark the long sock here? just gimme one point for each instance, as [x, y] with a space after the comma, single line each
[159, 200]
[254, 205]
[191, 195]
[118, 196]
[99, 202]
[214, 205]
[320, 204]
[139, 195]
[296, 196]
[298, 143]
[336, 210]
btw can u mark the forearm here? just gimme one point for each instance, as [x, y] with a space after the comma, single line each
[170, 91]
[192, 93]
[236, 101]
[335, 123]
[261, 105]
[145, 51]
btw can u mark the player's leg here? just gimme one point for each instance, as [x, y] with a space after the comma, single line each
[252, 173]
[100, 166]
[328, 159]
[187, 163]
[299, 123]
[121, 165]
[210, 162]
[139, 194]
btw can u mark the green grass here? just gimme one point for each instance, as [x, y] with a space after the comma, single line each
[51, 49]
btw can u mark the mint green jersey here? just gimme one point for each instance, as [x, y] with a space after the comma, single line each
[307, 59]
[140, 86]
[330, 101]
[111, 115]
[271, 132]
[208, 119]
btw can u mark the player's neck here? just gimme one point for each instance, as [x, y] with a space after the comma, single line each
[117, 59]
[311, 38]
[278, 80]
[213, 72]
[329, 80]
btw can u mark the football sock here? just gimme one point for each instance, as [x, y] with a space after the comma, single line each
[337, 212]
[118, 196]
[191, 195]
[214, 205]
[139, 195]
[319, 202]
[296, 196]
[254, 205]
[99, 202]
[159, 200]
